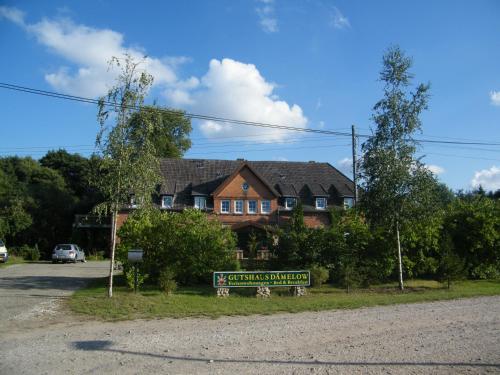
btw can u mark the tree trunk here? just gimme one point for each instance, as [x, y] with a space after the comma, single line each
[112, 261]
[401, 286]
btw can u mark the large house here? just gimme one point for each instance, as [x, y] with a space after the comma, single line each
[249, 195]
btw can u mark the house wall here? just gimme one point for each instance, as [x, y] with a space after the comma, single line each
[311, 219]
[257, 191]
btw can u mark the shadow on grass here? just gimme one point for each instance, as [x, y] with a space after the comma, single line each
[106, 346]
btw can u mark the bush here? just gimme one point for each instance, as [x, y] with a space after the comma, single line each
[319, 275]
[29, 253]
[129, 272]
[166, 281]
[188, 243]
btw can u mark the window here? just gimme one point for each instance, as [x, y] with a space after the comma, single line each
[133, 202]
[238, 207]
[320, 203]
[245, 186]
[225, 206]
[265, 207]
[252, 207]
[290, 203]
[348, 203]
[167, 201]
[200, 202]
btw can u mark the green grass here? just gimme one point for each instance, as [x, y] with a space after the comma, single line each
[201, 301]
[13, 260]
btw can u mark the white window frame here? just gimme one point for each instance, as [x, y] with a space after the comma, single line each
[163, 204]
[132, 201]
[321, 199]
[228, 206]
[262, 210]
[350, 204]
[236, 211]
[248, 207]
[294, 203]
[197, 200]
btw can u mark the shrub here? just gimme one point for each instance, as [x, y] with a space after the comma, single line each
[129, 273]
[319, 275]
[29, 253]
[166, 281]
[189, 243]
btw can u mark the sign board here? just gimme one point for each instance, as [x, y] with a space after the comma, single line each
[261, 278]
[135, 256]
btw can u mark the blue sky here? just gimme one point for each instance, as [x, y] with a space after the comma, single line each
[307, 64]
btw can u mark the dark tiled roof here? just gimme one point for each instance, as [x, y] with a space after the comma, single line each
[317, 190]
[188, 177]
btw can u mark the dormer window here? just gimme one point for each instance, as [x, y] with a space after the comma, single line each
[167, 201]
[348, 203]
[321, 203]
[200, 203]
[290, 203]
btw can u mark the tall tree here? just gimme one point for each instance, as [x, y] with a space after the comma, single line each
[130, 167]
[170, 133]
[397, 186]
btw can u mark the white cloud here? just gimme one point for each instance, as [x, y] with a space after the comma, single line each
[235, 90]
[338, 20]
[89, 50]
[267, 19]
[12, 14]
[345, 165]
[435, 169]
[489, 179]
[495, 97]
[280, 158]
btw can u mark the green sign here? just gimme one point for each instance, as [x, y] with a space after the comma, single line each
[264, 278]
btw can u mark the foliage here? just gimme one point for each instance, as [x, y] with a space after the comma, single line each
[36, 206]
[169, 132]
[319, 275]
[129, 272]
[473, 225]
[397, 188]
[29, 253]
[451, 266]
[166, 281]
[129, 164]
[188, 243]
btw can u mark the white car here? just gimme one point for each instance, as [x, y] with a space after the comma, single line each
[4, 255]
[68, 253]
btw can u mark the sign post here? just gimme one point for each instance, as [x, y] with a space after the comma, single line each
[135, 257]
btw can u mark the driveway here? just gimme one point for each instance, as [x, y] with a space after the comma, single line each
[30, 293]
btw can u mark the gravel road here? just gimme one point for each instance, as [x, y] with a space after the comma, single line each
[30, 294]
[450, 337]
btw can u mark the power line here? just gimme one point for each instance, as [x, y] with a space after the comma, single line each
[216, 118]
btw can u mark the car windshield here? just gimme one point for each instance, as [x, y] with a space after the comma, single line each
[63, 247]
[1, 243]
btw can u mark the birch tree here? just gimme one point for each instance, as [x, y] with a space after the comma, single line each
[397, 186]
[128, 167]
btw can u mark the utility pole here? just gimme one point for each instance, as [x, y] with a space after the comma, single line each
[354, 158]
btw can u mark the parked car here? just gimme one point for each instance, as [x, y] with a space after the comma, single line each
[4, 255]
[68, 253]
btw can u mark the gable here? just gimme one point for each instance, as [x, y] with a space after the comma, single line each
[233, 186]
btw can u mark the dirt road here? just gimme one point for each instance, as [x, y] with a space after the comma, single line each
[451, 337]
[32, 292]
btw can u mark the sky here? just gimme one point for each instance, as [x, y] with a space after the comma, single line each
[310, 64]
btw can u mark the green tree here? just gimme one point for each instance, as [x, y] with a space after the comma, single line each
[188, 244]
[130, 166]
[397, 188]
[170, 132]
[472, 223]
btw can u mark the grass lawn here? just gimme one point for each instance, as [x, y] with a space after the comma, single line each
[201, 301]
[13, 260]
